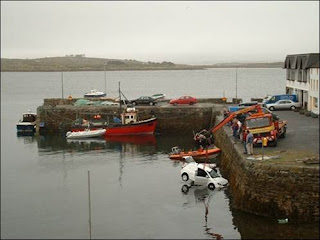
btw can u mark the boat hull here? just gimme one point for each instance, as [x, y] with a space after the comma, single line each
[95, 95]
[197, 155]
[26, 128]
[139, 128]
[86, 134]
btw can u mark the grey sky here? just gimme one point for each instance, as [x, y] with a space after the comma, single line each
[181, 32]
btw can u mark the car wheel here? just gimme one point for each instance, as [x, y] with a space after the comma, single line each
[175, 104]
[211, 186]
[185, 189]
[271, 108]
[151, 103]
[185, 177]
[134, 103]
[292, 108]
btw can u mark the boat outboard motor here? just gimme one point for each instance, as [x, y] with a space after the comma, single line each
[175, 150]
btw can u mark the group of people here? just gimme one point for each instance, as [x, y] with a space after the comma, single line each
[247, 138]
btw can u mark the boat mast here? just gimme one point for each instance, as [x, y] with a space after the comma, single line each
[105, 79]
[120, 99]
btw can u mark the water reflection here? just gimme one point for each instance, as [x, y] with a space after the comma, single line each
[256, 227]
[124, 144]
[27, 138]
[134, 139]
[203, 195]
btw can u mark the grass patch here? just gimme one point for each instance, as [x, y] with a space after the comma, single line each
[286, 157]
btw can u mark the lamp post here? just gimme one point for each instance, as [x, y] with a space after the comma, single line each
[236, 85]
[62, 84]
[105, 79]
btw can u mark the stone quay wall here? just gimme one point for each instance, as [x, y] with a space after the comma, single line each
[268, 189]
[58, 115]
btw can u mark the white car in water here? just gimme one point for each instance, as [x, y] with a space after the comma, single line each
[203, 174]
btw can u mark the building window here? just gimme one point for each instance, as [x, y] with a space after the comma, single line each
[288, 74]
[313, 84]
[292, 75]
[305, 74]
[315, 102]
[299, 75]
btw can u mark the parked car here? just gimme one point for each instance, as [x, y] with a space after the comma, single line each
[203, 174]
[275, 98]
[283, 104]
[247, 104]
[244, 105]
[143, 100]
[184, 100]
[158, 96]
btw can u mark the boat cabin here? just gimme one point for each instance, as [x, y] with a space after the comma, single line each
[129, 116]
[29, 117]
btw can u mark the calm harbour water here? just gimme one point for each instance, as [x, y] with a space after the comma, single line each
[135, 187]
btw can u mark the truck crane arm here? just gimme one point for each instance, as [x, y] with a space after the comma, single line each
[228, 119]
[233, 115]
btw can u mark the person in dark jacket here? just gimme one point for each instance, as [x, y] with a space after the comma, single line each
[249, 141]
[235, 128]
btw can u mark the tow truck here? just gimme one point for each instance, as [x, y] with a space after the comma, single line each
[261, 125]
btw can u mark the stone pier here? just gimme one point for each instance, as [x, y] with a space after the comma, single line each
[267, 188]
[55, 116]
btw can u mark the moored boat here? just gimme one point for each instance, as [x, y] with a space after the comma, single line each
[95, 93]
[200, 154]
[27, 124]
[129, 124]
[88, 133]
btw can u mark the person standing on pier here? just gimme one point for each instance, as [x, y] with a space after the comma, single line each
[249, 141]
[235, 128]
[244, 141]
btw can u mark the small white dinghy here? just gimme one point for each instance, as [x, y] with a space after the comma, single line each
[87, 133]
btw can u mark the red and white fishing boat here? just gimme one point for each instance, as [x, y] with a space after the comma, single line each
[129, 124]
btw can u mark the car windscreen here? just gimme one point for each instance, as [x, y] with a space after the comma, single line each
[257, 122]
[214, 174]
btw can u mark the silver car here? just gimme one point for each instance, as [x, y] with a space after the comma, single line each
[283, 104]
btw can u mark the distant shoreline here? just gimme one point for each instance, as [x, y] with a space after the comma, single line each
[77, 64]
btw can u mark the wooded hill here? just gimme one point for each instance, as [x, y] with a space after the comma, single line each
[81, 63]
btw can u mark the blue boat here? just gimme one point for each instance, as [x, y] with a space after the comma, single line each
[27, 124]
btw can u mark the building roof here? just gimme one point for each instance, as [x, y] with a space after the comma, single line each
[302, 61]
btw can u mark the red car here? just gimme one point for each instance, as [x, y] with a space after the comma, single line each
[184, 100]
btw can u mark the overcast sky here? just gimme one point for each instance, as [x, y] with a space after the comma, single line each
[181, 32]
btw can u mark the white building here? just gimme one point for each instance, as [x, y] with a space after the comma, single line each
[303, 79]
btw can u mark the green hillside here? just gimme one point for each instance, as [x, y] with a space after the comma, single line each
[81, 63]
